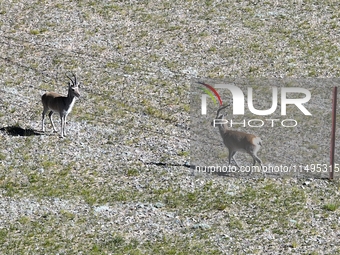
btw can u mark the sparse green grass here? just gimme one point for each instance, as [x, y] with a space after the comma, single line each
[34, 32]
[2, 156]
[131, 58]
[183, 153]
[132, 172]
[275, 203]
[48, 236]
[157, 113]
[331, 206]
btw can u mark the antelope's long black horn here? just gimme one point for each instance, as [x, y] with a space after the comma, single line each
[70, 80]
[75, 79]
[221, 108]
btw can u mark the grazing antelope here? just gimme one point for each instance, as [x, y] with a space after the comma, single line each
[238, 141]
[60, 104]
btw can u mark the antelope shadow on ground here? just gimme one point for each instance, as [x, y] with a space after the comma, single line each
[19, 131]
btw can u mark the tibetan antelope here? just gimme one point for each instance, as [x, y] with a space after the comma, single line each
[237, 141]
[60, 104]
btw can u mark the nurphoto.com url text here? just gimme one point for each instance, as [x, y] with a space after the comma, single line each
[311, 168]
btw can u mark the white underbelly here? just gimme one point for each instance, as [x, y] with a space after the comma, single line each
[71, 106]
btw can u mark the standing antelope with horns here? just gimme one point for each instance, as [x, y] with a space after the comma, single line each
[238, 141]
[60, 104]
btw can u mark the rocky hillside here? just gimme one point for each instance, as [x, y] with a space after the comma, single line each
[121, 182]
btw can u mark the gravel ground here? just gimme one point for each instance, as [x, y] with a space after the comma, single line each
[120, 182]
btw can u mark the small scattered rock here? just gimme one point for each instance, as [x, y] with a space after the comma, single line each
[159, 205]
[202, 226]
